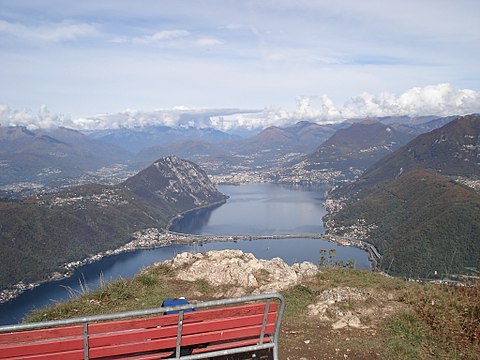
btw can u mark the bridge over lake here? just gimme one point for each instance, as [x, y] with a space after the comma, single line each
[201, 238]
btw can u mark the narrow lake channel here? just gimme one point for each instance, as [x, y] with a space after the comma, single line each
[252, 209]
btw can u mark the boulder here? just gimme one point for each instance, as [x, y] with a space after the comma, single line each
[240, 273]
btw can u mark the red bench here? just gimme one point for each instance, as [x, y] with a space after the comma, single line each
[215, 328]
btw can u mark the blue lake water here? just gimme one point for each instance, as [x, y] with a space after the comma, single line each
[252, 209]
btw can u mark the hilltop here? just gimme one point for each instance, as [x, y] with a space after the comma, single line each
[331, 313]
[39, 235]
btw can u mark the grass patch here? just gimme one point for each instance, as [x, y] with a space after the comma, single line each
[441, 322]
[362, 279]
[297, 299]
[407, 335]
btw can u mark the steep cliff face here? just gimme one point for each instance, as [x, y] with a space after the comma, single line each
[178, 182]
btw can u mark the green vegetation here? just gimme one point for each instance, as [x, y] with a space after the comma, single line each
[425, 224]
[39, 235]
[441, 322]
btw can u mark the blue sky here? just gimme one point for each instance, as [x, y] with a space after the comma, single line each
[87, 57]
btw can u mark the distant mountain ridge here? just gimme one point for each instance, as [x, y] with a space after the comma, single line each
[43, 160]
[349, 151]
[52, 156]
[41, 233]
[453, 149]
[268, 148]
[138, 139]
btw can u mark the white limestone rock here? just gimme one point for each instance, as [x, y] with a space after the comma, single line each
[241, 272]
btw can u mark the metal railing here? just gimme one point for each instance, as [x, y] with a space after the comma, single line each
[273, 344]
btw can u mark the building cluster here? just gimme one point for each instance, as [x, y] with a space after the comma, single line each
[472, 183]
[105, 198]
[279, 175]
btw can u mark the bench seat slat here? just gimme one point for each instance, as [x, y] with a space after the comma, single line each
[41, 347]
[61, 355]
[229, 345]
[188, 340]
[171, 331]
[35, 335]
[165, 320]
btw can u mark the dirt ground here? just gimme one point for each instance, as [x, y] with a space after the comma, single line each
[347, 329]
[313, 340]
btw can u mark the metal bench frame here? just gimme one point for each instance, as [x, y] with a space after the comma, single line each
[261, 345]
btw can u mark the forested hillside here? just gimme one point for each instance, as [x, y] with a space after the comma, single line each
[423, 223]
[40, 234]
[419, 216]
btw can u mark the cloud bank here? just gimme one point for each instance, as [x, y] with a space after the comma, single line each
[437, 100]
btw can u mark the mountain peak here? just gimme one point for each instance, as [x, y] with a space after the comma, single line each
[453, 149]
[175, 180]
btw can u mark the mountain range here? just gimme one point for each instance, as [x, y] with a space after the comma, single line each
[376, 159]
[52, 156]
[450, 150]
[45, 160]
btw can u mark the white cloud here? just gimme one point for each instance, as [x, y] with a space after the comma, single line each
[439, 100]
[208, 42]
[163, 35]
[50, 32]
[442, 100]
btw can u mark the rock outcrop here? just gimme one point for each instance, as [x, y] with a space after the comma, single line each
[239, 273]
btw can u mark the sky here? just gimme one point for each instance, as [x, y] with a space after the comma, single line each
[69, 61]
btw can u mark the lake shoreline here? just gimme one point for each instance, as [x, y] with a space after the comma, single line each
[67, 270]
[152, 238]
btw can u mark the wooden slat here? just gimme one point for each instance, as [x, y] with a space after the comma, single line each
[155, 355]
[65, 355]
[186, 341]
[40, 334]
[229, 345]
[165, 320]
[132, 324]
[41, 347]
[171, 331]
[224, 335]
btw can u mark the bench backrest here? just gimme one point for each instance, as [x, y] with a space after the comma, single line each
[216, 328]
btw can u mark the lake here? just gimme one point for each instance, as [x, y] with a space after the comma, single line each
[252, 209]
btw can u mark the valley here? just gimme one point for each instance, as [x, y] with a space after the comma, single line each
[97, 211]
